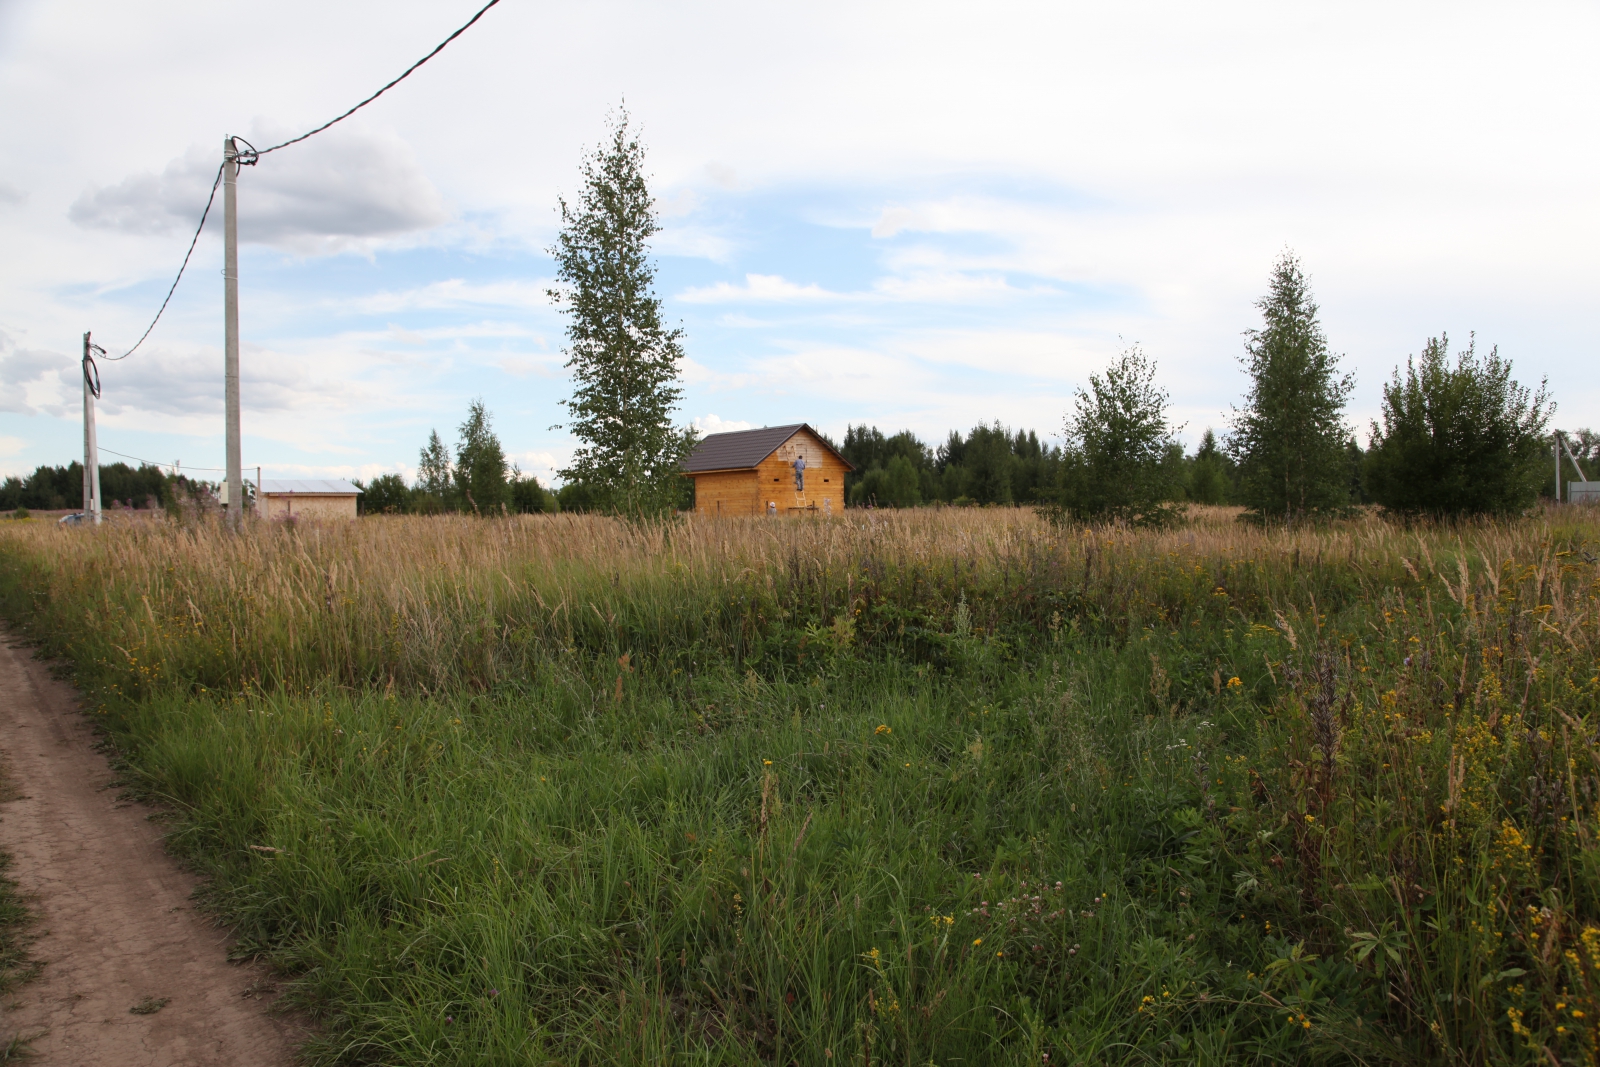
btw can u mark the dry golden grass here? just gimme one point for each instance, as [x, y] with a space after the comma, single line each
[440, 600]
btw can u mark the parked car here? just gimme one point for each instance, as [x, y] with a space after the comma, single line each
[71, 520]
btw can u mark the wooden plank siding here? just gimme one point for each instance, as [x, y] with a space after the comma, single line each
[725, 493]
[748, 492]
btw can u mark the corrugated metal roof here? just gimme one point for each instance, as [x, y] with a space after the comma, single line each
[743, 449]
[308, 487]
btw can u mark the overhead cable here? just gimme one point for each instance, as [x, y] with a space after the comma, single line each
[174, 288]
[155, 463]
[251, 155]
[386, 88]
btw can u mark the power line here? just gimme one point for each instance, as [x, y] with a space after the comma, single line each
[380, 92]
[156, 463]
[248, 158]
[192, 242]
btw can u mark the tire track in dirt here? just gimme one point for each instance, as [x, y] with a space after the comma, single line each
[116, 920]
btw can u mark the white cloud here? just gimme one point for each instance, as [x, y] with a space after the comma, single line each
[541, 463]
[10, 446]
[683, 202]
[693, 242]
[188, 383]
[758, 288]
[523, 366]
[722, 175]
[455, 293]
[364, 471]
[317, 197]
[31, 375]
[11, 196]
[710, 424]
[948, 286]
[944, 287]
[702, 375]
[895, 219]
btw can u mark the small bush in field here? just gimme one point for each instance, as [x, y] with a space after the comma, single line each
[1462, 439]
[1115, 466]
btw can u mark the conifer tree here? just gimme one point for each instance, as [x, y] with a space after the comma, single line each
[481, 468]
[1208, 472]
[1289, 438]
[434, 478]
[623, 359]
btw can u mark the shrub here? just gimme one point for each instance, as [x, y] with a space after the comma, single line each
[527, 495]
[1116, 465]
[387, 493]
[1458, 440]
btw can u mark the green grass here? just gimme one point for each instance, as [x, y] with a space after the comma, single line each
[1249, 798]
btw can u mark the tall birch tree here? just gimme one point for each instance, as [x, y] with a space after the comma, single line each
[623, 358]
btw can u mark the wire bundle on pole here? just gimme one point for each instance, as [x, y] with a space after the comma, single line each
[91, 373]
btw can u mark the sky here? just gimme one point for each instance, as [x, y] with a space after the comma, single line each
[913, 215]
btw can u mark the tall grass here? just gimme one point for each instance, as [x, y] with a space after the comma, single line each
[940, 787]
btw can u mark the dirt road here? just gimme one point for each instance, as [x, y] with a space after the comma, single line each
[121, 929]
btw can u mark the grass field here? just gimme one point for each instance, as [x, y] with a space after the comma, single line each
[941, 787]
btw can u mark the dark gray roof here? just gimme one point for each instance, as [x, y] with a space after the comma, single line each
[744, 449]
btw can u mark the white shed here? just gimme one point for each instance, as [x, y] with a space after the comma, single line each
[308, 498]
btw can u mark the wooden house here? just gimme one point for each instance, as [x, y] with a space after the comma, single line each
[314, 499]
[776, 470]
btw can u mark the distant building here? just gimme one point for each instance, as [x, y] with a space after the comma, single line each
[308, 498]
[777, 470]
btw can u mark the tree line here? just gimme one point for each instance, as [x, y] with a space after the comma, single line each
[1458, 435]
[121, 486]
[474, 477]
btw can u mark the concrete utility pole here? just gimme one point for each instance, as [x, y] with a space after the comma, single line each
[230, 314]
[1556, 437]
[91, 446]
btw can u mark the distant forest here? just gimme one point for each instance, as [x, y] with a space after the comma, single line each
[996, 465]
[990, 464]
[57, 488]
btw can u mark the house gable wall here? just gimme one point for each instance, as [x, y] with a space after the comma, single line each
[749, 492]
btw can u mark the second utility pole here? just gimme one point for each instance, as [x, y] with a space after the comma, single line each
[91, 445]
[234, 488]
